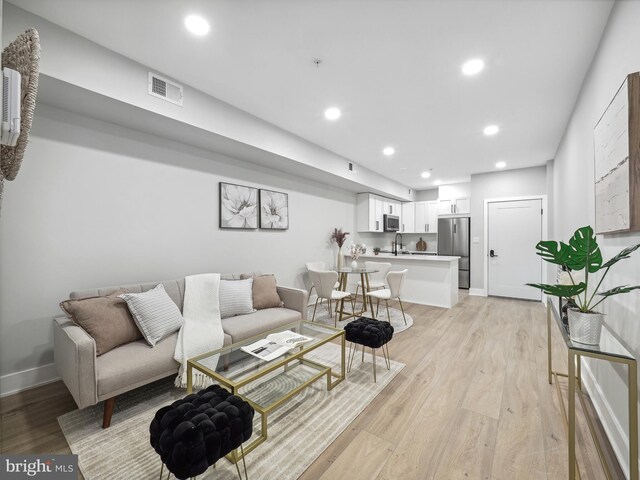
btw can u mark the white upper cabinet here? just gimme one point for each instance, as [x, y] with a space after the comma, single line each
[432, 217]
[371, 210]
[407, 221]
[454, 206]
[426, 215]
[454, 199]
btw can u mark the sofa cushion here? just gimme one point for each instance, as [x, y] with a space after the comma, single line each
[135, 363]
[156, 315]
[106, 319]
[245, 326]
[236, 297]
[265, 292]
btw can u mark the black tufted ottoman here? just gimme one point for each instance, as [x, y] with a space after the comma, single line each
[369, 333]
[193, 433]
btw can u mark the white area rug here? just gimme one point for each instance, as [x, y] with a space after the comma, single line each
[322, 315]
[299, 431]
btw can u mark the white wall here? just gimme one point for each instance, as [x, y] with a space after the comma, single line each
[97, 205]
[503, 184]
[573, 193]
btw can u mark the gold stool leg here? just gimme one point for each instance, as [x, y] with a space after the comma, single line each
[373, 351]
[161, 469]
[352, 354]
[387, 358]
[388, 314]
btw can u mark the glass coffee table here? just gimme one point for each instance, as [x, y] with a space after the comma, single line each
[266, 385]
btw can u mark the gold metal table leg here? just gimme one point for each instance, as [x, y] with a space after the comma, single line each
[572, 415]
[549, 353]
[632, 369]
[189, 378]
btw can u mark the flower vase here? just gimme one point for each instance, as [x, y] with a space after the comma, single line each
[354, 265]
[340, 259]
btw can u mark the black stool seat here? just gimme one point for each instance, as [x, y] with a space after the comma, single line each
[193, 433]
[368, 332]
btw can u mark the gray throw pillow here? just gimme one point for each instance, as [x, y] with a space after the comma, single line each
[236, 297]
[156, 315]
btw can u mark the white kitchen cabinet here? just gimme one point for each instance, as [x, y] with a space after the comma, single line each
[454, 206]
[432, 217]
[370, 211]
[407, 221]
[426, 217]
[463, 205]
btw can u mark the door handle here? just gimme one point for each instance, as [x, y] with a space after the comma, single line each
[425, 227]
[377, 225]
[492, 254]
[455, 229]
[402, 230]
[428, 228]
[451, 208]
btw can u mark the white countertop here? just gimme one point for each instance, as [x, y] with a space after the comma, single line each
[411, 258]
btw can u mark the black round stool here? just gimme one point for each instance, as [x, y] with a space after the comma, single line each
[193, 433]
[371, 333]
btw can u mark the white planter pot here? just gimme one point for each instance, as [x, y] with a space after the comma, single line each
[585, 327]
[354, 265]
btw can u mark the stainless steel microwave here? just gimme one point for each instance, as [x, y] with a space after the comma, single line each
[391, 223]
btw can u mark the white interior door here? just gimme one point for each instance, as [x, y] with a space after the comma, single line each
[514, 229]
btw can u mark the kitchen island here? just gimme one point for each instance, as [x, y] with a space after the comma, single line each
[430, 279]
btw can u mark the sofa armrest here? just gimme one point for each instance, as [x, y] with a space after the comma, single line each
[74, 354]
[294, 299]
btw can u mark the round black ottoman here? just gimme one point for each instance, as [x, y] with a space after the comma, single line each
[193, 433]
[371, 333]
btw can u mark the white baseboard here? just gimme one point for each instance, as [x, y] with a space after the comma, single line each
[616, 433]
[478, 292]
[33, 377]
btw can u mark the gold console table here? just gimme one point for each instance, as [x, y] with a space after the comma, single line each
[611, 350]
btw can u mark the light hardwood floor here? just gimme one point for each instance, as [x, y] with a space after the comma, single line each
[473, 402]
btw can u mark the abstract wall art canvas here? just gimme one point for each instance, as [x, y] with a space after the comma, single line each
[617, 161]
[238, 206]
[274, 210]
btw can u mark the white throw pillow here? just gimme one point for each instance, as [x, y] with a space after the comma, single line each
[236, 297]
[156, 315]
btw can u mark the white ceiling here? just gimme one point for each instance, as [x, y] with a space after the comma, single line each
[392, 66]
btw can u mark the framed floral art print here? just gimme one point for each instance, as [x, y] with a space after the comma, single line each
[238, 206]
[274, 210]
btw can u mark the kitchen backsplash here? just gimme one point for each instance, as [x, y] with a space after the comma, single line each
[384, 241]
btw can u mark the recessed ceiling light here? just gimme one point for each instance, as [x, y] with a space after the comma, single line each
[501, 164]
[388, 151]
[491, 130]
[332, 113]
[437, 182]
[472, 66]
[425, 174]
[196, 25]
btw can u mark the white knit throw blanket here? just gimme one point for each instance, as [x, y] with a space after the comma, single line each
[201, 331]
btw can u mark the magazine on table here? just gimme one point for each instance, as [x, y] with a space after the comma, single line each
[276, 345]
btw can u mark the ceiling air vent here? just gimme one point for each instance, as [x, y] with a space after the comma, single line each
[166, 89]
[350, 167]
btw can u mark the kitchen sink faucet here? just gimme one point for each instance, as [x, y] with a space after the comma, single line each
[395, 244]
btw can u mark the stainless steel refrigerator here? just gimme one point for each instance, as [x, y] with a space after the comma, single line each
[453, 240]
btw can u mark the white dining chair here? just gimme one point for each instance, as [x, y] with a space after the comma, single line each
[325, 282]
[318, 267]
[395, 280]
[376, 279]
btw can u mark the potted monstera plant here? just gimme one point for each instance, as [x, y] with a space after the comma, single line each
[582, 253]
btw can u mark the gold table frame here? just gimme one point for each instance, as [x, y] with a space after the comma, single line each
[296, 356]
[364, 280]
[575, 353]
